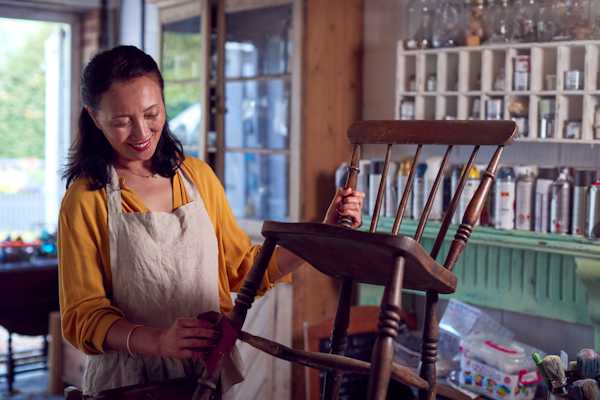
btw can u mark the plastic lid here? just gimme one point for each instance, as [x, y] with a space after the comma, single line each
[506, 355]
[584, 177]
[549, 173]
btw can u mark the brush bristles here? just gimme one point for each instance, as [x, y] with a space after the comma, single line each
[554, 371]
[588, 388]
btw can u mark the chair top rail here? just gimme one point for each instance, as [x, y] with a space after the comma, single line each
[433, 132]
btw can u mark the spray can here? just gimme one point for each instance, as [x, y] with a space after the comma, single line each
[455, 173]
[374, 180]
[391, 193]
[471, 185]
[583, 179]
[592, 222]
[362, 183]
[433, 166]
[505, 199]
[341, 175]
[546, 177]
[560, 203]
[419, 190]
[524, 197]
[402, 180]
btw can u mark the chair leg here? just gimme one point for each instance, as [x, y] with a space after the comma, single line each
[389, 325]
[431, 333]
[10, 365]
[339, 340]
[252, 283]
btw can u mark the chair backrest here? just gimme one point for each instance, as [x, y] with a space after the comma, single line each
[420, 133]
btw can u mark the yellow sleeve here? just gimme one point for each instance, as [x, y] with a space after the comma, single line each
[86, 311]
[238, 252]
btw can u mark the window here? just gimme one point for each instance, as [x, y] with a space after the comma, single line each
[35, 112]
[258, 50]
[181, 44]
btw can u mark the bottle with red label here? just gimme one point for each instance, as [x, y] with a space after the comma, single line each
[504, 215]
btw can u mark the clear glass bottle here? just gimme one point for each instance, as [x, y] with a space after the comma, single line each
[581, 19]
[525, 20]
[501, 22]
[476, 29]
[420, 24]
[446, 22]
[546, 25]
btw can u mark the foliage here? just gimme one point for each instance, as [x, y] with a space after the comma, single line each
[22, 98]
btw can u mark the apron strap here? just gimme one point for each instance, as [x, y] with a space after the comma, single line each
[113, 194]
[188, 185]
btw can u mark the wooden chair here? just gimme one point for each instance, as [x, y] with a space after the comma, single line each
[391, 260]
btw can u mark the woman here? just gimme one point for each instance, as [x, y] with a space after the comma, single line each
[147, 240]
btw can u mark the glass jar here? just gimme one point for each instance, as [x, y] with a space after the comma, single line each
[446, 22]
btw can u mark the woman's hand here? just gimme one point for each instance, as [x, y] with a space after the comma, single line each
[347, 203]
[188, 338]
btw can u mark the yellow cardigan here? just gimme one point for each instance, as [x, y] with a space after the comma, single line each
[84, 264]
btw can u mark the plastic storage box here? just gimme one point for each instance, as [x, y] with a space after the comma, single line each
[497, 368]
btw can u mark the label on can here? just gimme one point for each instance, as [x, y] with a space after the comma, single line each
[408, 212]
[374, 180]
[579, 211]
[471, 186]
[391, 192]
[542, 207]
[524, 205]
[418, 197]
[504, 205]
[559, 209]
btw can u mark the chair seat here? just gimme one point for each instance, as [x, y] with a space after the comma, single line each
[365, 257]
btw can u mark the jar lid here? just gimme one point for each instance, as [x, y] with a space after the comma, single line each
[584, 177]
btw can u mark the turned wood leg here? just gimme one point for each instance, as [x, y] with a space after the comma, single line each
[431, 333]
[389, 324]
[339, 340]
[253, 281]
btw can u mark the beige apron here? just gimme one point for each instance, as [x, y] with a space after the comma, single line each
[164, 266]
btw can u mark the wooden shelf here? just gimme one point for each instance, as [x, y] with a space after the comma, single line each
[469, 68]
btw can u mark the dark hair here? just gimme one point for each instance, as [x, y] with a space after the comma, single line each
[91, 154]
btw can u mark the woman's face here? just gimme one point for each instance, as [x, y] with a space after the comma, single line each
[131, 115]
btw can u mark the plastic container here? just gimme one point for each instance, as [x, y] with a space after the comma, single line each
[498, 368]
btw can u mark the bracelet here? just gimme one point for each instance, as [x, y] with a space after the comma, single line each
[128, 340]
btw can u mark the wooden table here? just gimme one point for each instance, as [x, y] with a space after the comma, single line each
[28, 293]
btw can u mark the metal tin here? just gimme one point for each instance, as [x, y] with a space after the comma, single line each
[560, 203]
[407, 109]
[546, 111]
[374, 181]
[402, 179]
[583, 179]
[431, 83]
[522, 126]
[592, 224]
[573, 80]
[476, 109]
[471, 185]
[573, 130]
[524, 198]
[419, 190]
[504, 211]
[391, 192]
[494, 109]
[546, 177]
[521, 74]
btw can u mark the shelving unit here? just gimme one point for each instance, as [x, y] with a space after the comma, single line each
[466, 80]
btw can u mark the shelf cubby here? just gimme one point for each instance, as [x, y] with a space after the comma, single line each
[468, 77]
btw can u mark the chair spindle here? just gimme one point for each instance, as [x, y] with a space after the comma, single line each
[431, 197]
[453, 204]
[463, 233]
[381, 190]
[406, 193]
